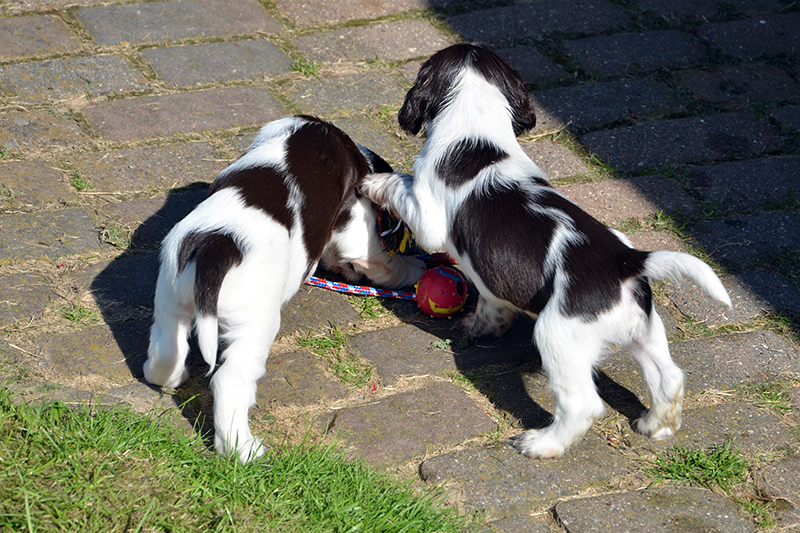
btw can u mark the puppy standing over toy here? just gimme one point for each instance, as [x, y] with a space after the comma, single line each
[527, 248]
[288, 203]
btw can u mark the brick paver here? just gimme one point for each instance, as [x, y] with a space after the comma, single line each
[217, 62]
[634, 52]
[160, 22]
[172, 114]
[28, 36]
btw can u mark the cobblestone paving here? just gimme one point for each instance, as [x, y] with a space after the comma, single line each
[677, 122]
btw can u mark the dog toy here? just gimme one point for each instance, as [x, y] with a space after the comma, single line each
[441, 291]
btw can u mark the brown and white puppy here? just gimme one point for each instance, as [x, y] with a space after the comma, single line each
[527, 248]
[233, 262]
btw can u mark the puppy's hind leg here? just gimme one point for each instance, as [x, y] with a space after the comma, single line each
[568, 359]
[663, 378]
[487, 320]
[166, 355]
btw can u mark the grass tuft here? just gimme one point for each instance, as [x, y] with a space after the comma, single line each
[80, 182]
[719, 467]
[93, 469]
[346, 367]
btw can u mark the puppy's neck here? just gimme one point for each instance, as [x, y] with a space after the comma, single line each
[476, 109]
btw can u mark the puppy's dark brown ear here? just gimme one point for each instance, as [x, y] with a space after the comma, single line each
[515, 90]
[412, 114]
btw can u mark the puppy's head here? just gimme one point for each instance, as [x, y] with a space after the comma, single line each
[432, 89]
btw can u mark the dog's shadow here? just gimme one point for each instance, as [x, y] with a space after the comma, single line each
[508, 370]
[125, 289]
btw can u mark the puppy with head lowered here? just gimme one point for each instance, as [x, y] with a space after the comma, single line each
[227, 268]
[527, 248]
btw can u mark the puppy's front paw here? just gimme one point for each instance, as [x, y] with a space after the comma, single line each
[538, 444]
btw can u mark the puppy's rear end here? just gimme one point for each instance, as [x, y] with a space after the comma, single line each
[233, 262]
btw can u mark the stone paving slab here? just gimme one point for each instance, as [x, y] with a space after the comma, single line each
[656, 240]
[751, 38]
[39, 34]
[25, 134]
[676, 142]
[534, 67]
[122, 288]
[496, 25]
[396, 428]
[46, 236]
[781, 480]
[149, 168]
[166, 115]
[659, 509]
[159, 22]
[575, 108]
[714, 363]
[150, 219]
[107, 353]
[613, 201]
[787, 117]
[501, 482]
[23, 296]
[314, 12]
[297, 378]
[359, 93]
[750, 429]
[302, 313]
[730, 360]
[108, 75]
[391, 41]
[31, 183]
[731, 187]
[738, 87]
[523, 523]
[184, 66]
[402, 351]
[754, 294]
[733, 241]
[555, 159]
[634, 52]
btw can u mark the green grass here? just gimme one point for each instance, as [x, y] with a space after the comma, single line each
[720, 467]
[80, 182]
[306, 68]
[346, 367]
[368, 307]
[110, 469]
[117, 235]
[79, 314]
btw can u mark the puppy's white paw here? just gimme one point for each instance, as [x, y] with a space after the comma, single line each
[373, 186]
[538, 444]
[247, 450]
[657, 427]
[165, 377]
[476, 325]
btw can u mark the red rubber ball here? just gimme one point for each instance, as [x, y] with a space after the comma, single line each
[441, 292]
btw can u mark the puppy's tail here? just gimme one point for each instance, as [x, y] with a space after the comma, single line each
[214, 254]
[207, 329]
[676, 265]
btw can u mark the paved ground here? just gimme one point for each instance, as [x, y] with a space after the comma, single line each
[675, 121]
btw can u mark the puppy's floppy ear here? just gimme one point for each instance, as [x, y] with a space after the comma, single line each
[515, 90]
[412, 114]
